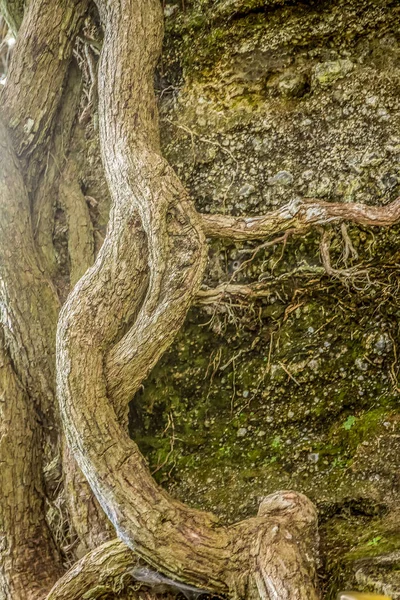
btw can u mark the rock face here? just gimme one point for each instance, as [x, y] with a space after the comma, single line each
[263, 102]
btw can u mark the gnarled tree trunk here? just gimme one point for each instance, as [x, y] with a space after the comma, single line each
[122, 313]
[116, 311]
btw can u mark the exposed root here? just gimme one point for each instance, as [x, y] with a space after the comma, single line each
[299, 215]
[234, 292]
[358, 278]
[349, 249]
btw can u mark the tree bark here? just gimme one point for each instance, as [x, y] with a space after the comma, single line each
[117, 322]
[117, 308]
[299, 216]
[36, 84]
[29, 563]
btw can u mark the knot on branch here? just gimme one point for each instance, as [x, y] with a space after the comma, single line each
[289, 504]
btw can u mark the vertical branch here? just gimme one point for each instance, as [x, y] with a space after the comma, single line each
[29, 302]
[29, 564]
[30, 104]
[80, 229]
[37, 77]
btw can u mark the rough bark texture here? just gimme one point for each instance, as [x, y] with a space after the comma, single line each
[126, 310]
[37, 78]
[150, 206]
[29, 563]
[30, 299]
[108, 568]
[29, 331]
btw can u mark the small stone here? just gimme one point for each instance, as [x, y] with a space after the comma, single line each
[241, 432]
[246, 190]
[245, 394]
[328, 72]
[383, 344]
[290, 414]
[281, 178]
[371, 159]
[314, 364]
[169, 9]
[313, 457]
[293, 85]
[383, 114]
[320, 188]
[372, 101]
[388, 181]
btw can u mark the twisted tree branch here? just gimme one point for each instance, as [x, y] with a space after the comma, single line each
[132, 314]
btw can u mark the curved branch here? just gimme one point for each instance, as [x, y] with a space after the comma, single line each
[299, 215]
[134, 314]
[103, 570]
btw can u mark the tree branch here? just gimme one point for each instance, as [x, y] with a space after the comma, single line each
[299, 215]
[30, 301]
[136, 313]
[37, 76]
[35, 86]
[106, 569]
[29, 564]
[229, 292]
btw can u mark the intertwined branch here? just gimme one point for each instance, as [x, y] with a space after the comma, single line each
[124, 313]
